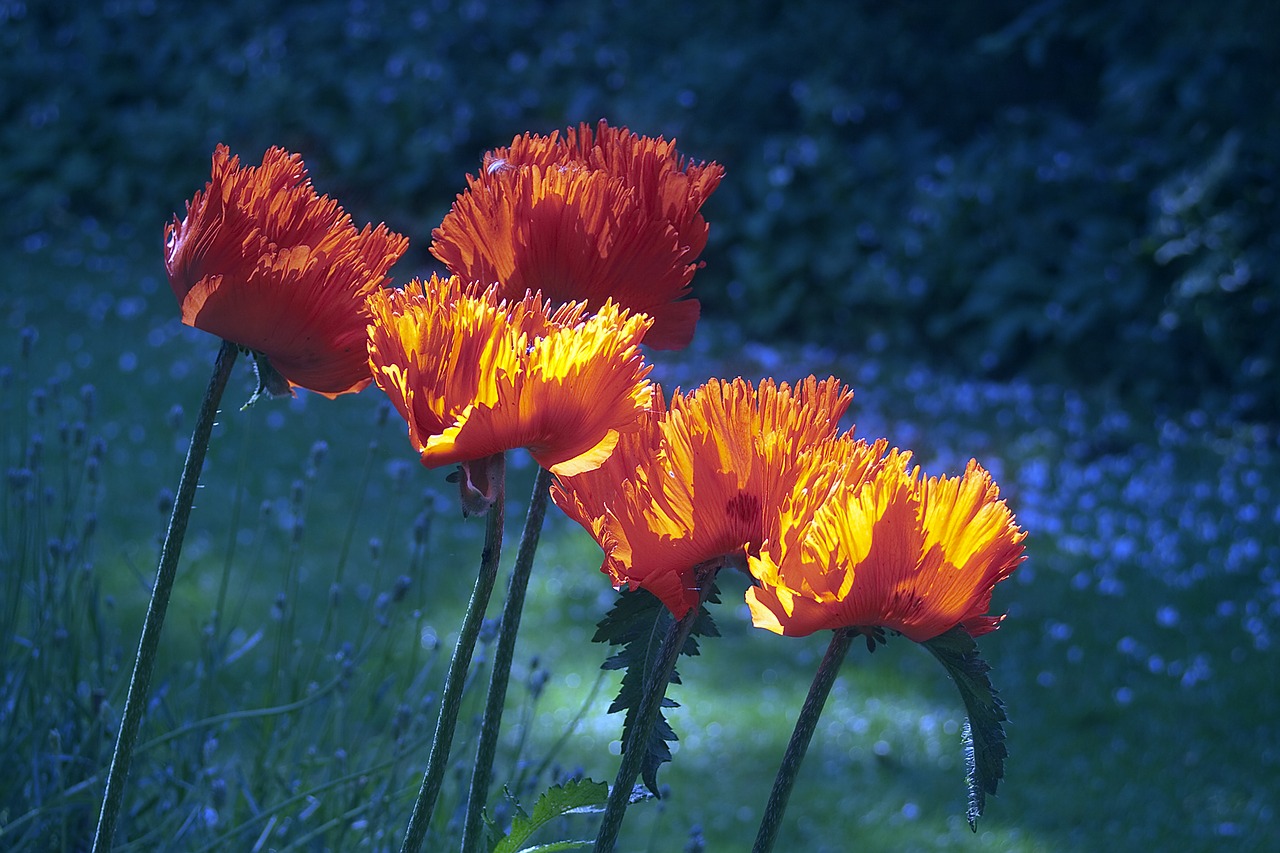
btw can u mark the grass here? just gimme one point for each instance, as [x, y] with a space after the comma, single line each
[326, 571]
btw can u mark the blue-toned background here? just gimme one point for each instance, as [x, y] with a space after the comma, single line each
[1039, 234]
[1058, 187]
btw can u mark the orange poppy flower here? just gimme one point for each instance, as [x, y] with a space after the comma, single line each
[709, 479]
[890, 550]
[589, 216]
[475, 375]
[264, 262]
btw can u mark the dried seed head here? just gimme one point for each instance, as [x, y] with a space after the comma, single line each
[401, 588]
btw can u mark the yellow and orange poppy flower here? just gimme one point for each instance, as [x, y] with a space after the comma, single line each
[890, 550]
[707, 480]
[592, 215]
[264, 262]
[474, 374]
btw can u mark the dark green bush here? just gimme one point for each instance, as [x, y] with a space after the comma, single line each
[1069, 190]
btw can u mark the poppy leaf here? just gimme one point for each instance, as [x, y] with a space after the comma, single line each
[984, 737]
[638, 622]
[574, 797]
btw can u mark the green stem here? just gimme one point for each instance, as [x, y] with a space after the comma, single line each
[144, 662]
[454, 681]
[482, 774]
[806, 723]
[655, 690]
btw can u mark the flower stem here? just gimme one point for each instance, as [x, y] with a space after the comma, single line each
[451, 701]
[144, 661]
[655, 690]
[482, 774]
[806, 723]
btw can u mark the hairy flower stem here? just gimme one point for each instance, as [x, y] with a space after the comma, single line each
[806, 723]
[482, 774]
[655, 690]
[144, 661]
[451, 701]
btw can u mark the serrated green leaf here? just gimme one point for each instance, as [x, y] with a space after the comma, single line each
[984, 738]
[632, 615]
[559, 845]
[638, 622]
[578, 796]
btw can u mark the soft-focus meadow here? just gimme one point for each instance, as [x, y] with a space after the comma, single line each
[1075, 210]
[326, 570]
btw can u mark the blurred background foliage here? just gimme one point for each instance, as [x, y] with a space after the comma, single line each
[1067, 190]
[1079, 194]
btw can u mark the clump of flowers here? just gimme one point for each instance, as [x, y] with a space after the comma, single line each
[565, 253]
[836, 533]
[708, 479]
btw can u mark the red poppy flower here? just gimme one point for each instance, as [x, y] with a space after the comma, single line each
[263, 261]
[474, 375]
[890, 550]
[590, 216]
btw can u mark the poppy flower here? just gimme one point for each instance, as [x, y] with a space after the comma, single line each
[474, 375]
[890, 550]
[590, 216]
[710, 479]
[262, 261]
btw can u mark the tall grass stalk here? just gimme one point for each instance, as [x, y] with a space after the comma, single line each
[233, 531]
[53, 646]
[144, 661]
[455, 679]
[286, 612]
[331, 612]
[552, 752]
